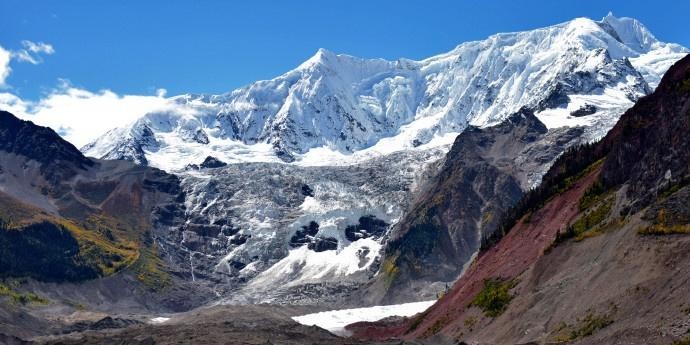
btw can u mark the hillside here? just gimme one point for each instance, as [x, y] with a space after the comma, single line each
[597, 254]
[77, 233]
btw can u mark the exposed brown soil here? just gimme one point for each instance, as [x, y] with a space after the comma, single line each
[637, 283]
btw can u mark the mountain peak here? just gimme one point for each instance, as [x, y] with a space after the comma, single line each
[347, 104]
[38, 143]
[322, 56]
[323, 52]
[630, 32]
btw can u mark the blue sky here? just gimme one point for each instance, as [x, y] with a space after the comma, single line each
[136, 47]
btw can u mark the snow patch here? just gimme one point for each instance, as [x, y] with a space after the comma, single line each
[303, 266]
[336, 320]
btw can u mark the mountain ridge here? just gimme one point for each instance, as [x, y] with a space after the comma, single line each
[346, 104]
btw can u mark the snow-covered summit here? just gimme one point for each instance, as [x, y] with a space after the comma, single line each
[352, 107]
[630, 32]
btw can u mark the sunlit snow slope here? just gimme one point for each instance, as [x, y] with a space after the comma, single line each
[336, 320]
[347, 104]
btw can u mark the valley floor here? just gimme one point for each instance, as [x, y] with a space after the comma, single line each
[256, 324]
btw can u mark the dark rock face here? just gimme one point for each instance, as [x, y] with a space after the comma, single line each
[587, 109]
[200, 137]
[102, 324]
[321, 244]
[12, 340]
[484, 175]
[308, 235]
[240, 239]
[212, 162]
[60, 160]
[307, 191]
[557, 98]
[674, 210]
[368, 226]
[237, 265]
[160, 181]
[43, 251]
[650, 149]
[283, 153]
[305, 235]
[38, 143]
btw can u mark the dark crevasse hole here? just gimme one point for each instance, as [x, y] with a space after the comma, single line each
[304, 235]
[368, 226]
[307, 236]
[240, 239]
[229, 230]
[212, 162]
[320, 244]
[307, 191]
[237, 265]
[584, 110]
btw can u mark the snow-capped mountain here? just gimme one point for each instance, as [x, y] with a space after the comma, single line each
[334, 151]
[346, 104]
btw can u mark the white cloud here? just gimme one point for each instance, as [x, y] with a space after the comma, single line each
[39, 47]
[80, 116]
[13, 104]
[24, 56]
[32, 52]
[5, 57]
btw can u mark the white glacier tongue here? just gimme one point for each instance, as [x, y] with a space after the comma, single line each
[336, 320]
[269, 231]
[345, 104]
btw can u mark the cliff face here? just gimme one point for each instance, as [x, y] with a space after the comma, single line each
[485, 173]
[651, 149]
[597, 253]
